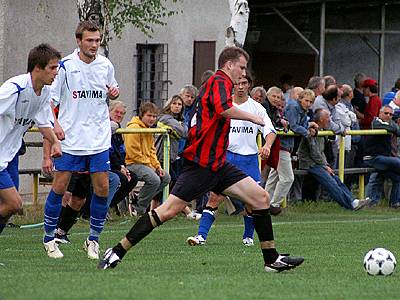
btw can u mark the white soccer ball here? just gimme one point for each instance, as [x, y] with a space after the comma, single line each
[379, 261]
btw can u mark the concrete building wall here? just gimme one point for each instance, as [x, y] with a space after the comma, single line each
[25, 24]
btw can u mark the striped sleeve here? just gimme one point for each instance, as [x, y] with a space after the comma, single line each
[222, 96]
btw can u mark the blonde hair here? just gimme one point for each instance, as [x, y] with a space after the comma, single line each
[307, 93]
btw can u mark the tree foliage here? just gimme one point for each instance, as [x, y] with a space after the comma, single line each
[143, 14]
[113, 15]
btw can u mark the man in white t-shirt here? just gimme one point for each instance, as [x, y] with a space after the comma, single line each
[243, 153]
[24, 100]
[84, 82]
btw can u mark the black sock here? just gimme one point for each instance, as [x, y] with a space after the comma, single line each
[141, 229]
[263, 226]
[68, 218]
[270, 255]
[119, 250]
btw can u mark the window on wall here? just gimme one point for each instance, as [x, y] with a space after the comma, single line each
[203, 59]
[152, 74]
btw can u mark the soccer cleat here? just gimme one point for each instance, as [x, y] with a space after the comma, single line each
[92, 249]
[62, 239]
[193, 216]
[52, 250]
[248, 242]
[283, 263]
[110, 260]
[196, 240]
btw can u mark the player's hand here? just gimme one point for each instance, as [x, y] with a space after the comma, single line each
[58, 130]
[258, 120]
[265, 151]
[160, 172]
[112, 92]
[56, 149]
[47, 166]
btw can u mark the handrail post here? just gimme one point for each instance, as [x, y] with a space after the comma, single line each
[35, 184]
[259, 142]
[166, 163]
[341, 158]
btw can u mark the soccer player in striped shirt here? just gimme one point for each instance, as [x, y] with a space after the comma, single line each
[206, 168]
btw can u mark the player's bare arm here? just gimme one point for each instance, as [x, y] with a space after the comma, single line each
[235, 113]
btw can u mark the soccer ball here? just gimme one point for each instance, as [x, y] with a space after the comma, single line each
[379, 261]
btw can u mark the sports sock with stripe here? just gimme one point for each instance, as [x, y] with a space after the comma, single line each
[206, 221]
[98, 214]
[52, 210]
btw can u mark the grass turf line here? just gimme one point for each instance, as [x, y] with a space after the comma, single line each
[332, 240]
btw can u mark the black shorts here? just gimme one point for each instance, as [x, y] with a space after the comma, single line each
[195, 180]
[79, 185]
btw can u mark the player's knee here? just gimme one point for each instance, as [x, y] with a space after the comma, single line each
[261, 199]
[14, 206]
[215, 200]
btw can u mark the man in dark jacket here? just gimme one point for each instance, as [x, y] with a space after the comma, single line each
[381, 154]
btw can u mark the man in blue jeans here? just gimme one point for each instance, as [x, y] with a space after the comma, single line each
[312, 158]
[381, 153]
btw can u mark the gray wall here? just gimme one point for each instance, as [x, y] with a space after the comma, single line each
[54, 22]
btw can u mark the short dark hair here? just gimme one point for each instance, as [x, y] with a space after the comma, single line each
[85, 25]
[330, 93]
[148, 107]
[249, 79]
[231, 54]
[397, 84]
[41, 55]
[373, 89]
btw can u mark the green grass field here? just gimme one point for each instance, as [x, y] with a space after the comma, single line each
[332, 240]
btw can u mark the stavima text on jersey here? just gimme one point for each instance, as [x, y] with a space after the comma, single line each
[85, 94]
[242, 129]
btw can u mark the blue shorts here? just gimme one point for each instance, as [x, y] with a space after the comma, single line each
[9, 177]
[99, 162]
[246, 163]
[249, 165]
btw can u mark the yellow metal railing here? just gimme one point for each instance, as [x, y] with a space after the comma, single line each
[341, 142]
[166, 157]
[166, 163]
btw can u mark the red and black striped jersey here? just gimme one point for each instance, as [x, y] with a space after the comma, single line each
[208, 136]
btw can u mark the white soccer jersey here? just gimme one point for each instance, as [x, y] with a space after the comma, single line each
[243, 134]
[20, 107]
[80, 89]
